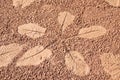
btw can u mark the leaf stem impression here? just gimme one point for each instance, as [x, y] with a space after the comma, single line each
[7, 52]
[80, 34]
[63, 23]
[41, 50]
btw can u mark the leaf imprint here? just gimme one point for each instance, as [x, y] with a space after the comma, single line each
[8, 52]
[115, 3]
[76, 63]
[111, 64]
[65, 19]
[23, 3]
[35, 60]
[32, 30]
[92, 32]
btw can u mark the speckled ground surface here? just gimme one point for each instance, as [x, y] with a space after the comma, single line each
[87, 13]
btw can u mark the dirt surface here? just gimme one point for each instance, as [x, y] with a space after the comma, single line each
[91, 28]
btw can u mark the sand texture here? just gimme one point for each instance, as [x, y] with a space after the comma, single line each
[59, 39]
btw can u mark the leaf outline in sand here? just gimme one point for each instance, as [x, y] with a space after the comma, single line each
[8, 52]
[32, 30]
[65, 19]
[22, 3]
[115, 3]
[111, 64]
[92, 32]
[75, 62]
[30, 57]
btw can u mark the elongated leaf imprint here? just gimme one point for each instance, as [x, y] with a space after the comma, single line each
[111, 64]
[92, 32]
[32, 30]
[29, 59]
[8, 52]
[22, 3]
[76, 63]
[65, 18]
[115, 3]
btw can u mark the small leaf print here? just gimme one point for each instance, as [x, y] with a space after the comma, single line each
[115, 3]
[30, 57]
[8, 52]
[92, 32]
[65, 18]
[76, 63]
[22, 3]
[32, 30]
[111, 64]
